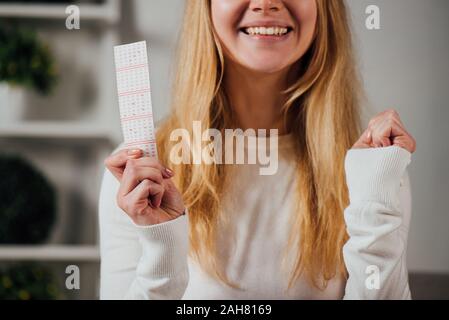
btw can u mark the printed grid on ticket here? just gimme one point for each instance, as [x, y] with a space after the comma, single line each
[134, 96]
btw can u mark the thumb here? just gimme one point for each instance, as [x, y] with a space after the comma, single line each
[364, 141]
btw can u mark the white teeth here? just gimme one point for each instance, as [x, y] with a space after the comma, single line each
[278, 31]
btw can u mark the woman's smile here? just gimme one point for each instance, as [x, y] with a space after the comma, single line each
[264, 37]
[266, 31]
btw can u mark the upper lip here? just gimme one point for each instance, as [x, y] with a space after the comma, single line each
[266, 23]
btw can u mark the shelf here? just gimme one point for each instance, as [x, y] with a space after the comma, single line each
[49, 253]
[54, 130]
[107, 12]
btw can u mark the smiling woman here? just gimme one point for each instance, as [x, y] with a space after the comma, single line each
[309, 231]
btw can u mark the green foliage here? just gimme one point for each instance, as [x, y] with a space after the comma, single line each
[27, 203]
[25, 60]
[27, 282]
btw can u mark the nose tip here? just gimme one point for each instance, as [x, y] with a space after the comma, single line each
[261, 6]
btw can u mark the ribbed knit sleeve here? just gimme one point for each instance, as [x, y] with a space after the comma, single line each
[377, 221]
[140, 262]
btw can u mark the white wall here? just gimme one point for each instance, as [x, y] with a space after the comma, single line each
[158, 22]
[405, 65]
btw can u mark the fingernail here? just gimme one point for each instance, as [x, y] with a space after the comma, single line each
[169, 172]
[134, 152]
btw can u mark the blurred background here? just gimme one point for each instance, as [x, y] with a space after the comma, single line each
[59, 119]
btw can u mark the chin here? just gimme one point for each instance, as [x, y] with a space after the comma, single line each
[264, 62]
[264, 67]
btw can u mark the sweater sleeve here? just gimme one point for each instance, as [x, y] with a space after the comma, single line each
[140, 262]
[377, 221]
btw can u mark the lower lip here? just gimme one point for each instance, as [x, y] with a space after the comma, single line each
[267, 38]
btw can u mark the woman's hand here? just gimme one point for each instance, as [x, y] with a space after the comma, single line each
[147, 193]
[384, 130]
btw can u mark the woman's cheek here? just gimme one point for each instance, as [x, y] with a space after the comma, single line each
[225, 19]
[225, 14]
[305, 15]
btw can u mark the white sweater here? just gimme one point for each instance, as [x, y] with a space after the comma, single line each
[152, 262]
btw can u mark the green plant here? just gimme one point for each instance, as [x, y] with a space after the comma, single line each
[27, 202]
[27, 282]
[25, 60]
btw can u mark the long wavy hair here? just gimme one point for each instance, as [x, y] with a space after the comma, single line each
[322, 111]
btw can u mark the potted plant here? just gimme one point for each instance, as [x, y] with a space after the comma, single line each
[28, 282]
[27, 202]
[25, 63]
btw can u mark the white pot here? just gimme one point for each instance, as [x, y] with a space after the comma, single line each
[12, 103]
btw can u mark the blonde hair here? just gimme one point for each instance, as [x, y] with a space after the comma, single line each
[323, 115]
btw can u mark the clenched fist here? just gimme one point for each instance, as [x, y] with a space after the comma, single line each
[147, 193]
[384, 130]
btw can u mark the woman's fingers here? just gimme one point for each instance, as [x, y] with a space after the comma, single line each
[116, 163]
[405, 141]
[390, 131]
[364, 141]
[146, 193]
[133, 175]
[156, 194]
[136, 203]
[153, 163]
[384, 130]
[381, 132]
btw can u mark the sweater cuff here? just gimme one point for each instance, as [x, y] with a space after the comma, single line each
[375, 174]
[164, 247]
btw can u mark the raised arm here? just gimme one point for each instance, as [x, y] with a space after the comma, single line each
[377, 221]
[140, 261]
